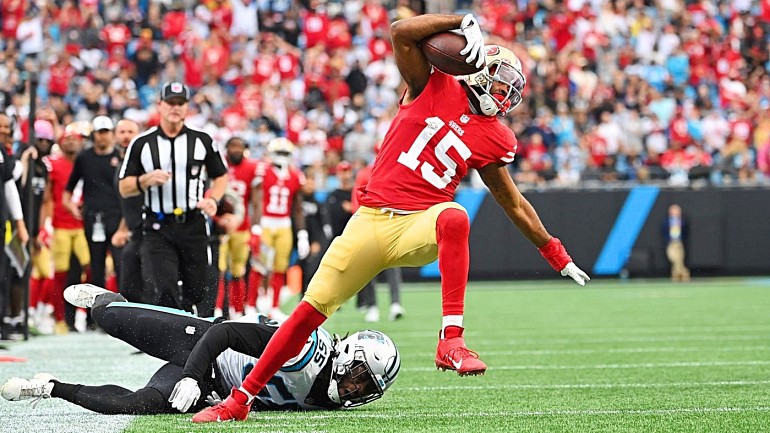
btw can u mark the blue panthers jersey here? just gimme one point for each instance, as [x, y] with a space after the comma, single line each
[288, 388]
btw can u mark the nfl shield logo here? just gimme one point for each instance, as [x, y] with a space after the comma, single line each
[464, 119]
[195, 169]
[176, 87]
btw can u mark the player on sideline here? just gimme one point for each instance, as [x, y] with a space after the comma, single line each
[443, 128]
[327, 374]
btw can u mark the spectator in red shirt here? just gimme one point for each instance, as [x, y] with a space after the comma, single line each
[13, 12]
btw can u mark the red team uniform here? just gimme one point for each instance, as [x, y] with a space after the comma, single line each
[68, 236]
[407, 218]
[234, 251]
[427, 150]
[279, 190]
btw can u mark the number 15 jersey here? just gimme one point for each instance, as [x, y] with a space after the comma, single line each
[430, 146]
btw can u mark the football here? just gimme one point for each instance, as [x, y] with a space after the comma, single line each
[443, 51]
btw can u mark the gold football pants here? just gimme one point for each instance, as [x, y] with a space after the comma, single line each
[373, 240]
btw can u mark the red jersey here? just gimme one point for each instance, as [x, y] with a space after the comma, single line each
[430, 146]
[362, 179]
[241, 178]
[58, 175]
[278, 189]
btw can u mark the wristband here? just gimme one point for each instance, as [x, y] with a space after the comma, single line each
[139, 184]
[553, 251]
[256, 230]
[302, 234]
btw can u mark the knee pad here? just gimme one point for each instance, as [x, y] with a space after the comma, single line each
[452, 222]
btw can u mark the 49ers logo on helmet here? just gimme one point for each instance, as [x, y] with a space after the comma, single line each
[493, 50]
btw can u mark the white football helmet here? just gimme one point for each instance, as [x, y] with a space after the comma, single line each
[502, 66]
[281, 150]
[366, 365]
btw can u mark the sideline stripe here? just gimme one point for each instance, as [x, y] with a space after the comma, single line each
[617, 366]
[469, 198]
[622, 237]
[588, 386]
[12, 359]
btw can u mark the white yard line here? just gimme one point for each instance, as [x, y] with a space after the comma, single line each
[585, 386]
[675, 349]
[310, 417]
[694, 364]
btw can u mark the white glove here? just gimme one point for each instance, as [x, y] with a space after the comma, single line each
[185, 394]
[575, 273]
[475, 47]
[303, 245]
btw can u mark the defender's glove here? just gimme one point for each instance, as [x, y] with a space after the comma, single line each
[475, 47]
[213, 399]
[303, 245]
[556, 255]
[185, 394]
[256, 239]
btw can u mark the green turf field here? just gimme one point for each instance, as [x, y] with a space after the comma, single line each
[646, 356]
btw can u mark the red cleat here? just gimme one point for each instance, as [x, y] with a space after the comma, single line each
[233, 408]
[451, 354]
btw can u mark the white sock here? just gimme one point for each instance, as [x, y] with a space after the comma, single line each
[450, 321]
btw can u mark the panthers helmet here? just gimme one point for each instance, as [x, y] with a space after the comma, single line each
[366, 365]
[502, 66]
[280, 151]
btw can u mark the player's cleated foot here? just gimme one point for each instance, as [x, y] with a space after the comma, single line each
[37, 388]
[83, 295]
[372, 314]
[396, 311]
[452, 354]
[233, 408]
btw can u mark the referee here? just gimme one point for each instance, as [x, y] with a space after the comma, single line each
[170, 164]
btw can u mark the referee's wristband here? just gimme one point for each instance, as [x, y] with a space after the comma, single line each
[139, 184]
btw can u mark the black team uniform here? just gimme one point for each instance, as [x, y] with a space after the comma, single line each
[101, 207]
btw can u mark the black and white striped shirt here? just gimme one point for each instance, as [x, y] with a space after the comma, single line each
[191, 157]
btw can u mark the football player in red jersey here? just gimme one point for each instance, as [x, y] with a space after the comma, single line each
[278, 199]
[69, 236]
[443, 128]
[234, 251]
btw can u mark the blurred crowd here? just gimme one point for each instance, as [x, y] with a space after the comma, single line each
[669, 91]
[664, 90]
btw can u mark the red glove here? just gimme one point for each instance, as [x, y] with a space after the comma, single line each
[256, 239]
[44, 237]
[553, 251]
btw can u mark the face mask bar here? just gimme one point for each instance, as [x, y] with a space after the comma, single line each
[359, 385]
[508, 75]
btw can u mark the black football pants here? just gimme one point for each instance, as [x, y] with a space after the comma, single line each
[160, 332]
[178, 251]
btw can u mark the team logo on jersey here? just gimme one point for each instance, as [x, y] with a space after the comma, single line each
[464, 119]
[195, 170]
[114, 161]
